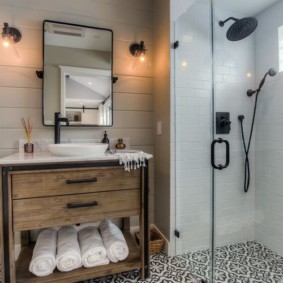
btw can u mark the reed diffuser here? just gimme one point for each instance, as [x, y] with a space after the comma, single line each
[28, 147]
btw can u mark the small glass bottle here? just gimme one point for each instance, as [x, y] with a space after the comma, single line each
[28, 147]
[120, 144]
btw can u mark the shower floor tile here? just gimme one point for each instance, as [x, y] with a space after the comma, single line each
[248, 262]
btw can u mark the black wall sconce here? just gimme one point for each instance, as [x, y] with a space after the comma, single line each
[138, 50]
[39, 74]
[114, 80]
[10, 35]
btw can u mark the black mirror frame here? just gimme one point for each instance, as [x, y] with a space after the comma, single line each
[42, 72]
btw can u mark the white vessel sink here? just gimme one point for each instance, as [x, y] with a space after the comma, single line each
[78, 149]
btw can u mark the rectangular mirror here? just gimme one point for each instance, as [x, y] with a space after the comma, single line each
[77, 76]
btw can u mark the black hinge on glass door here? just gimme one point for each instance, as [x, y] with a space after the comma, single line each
[177, 233]
[220, 166]
[176, 44]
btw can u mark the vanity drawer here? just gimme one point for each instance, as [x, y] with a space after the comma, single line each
[73, 181]
[63, 210]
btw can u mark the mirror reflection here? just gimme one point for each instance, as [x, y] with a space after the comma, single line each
[77, 74]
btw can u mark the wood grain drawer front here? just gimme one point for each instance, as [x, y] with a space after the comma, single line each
[39, 184]
[63, 210]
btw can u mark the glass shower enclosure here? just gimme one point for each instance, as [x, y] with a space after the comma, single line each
[228, 67]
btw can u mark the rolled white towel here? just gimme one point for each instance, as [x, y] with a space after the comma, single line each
[87, 224]
[43, 260]
[114, 241]
[92, 248]
[68, 249]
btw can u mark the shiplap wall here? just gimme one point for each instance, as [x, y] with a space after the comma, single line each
[20, 89]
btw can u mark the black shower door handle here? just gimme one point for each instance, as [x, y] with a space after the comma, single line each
[220, 166]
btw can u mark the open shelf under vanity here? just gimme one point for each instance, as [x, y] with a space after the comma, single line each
[133, 261]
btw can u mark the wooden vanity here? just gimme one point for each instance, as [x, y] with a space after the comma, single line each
[40, 195]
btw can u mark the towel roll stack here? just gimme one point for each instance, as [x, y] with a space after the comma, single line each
[85, 247]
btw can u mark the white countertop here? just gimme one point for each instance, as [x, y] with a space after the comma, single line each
[47, 157]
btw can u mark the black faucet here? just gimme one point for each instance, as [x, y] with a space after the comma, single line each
[58, 119]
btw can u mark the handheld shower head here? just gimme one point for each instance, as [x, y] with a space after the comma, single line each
[271, 72]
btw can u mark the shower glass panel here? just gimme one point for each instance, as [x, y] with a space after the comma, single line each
[193, 136]
[249, 193]
[230, 221]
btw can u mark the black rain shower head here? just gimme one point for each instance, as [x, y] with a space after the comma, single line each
[271, 72]
[241, 29]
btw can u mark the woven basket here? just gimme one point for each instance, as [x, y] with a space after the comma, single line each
[156, 241]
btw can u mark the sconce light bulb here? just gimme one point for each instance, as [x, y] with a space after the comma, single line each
[6, 43]
[6, 40]
[249, 75]
[142, 58]
[184, 64]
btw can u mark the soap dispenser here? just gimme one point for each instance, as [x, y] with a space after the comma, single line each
[105, 139]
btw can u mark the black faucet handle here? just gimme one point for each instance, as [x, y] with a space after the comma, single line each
[59, 118]
[66, 120]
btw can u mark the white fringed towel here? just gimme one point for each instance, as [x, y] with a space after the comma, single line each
[68, 249]
[114, 241]
[92, 247]
[133, 159]
[43, 260]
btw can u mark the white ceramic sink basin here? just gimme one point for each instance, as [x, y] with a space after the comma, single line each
[78, 149]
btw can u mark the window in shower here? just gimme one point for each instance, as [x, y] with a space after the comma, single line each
[280, 42]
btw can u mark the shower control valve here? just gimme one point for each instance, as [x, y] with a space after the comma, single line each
[223, 123]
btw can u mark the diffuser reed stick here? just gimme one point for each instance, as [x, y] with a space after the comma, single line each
[28, 128]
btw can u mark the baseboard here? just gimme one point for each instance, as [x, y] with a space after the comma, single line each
[17, 250]
[134, 229]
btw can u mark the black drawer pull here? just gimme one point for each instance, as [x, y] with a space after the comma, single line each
[79, 181]
[78, 205]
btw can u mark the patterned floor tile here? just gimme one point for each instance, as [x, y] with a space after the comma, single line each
[248, 262]
[163, 269]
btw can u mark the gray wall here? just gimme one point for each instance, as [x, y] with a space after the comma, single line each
[161, 15]
[269, 133]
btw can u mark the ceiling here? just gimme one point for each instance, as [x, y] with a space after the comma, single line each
[245, 7]
[92, 90]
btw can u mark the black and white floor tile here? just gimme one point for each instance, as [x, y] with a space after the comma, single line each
[248, 262]
[163, 269]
